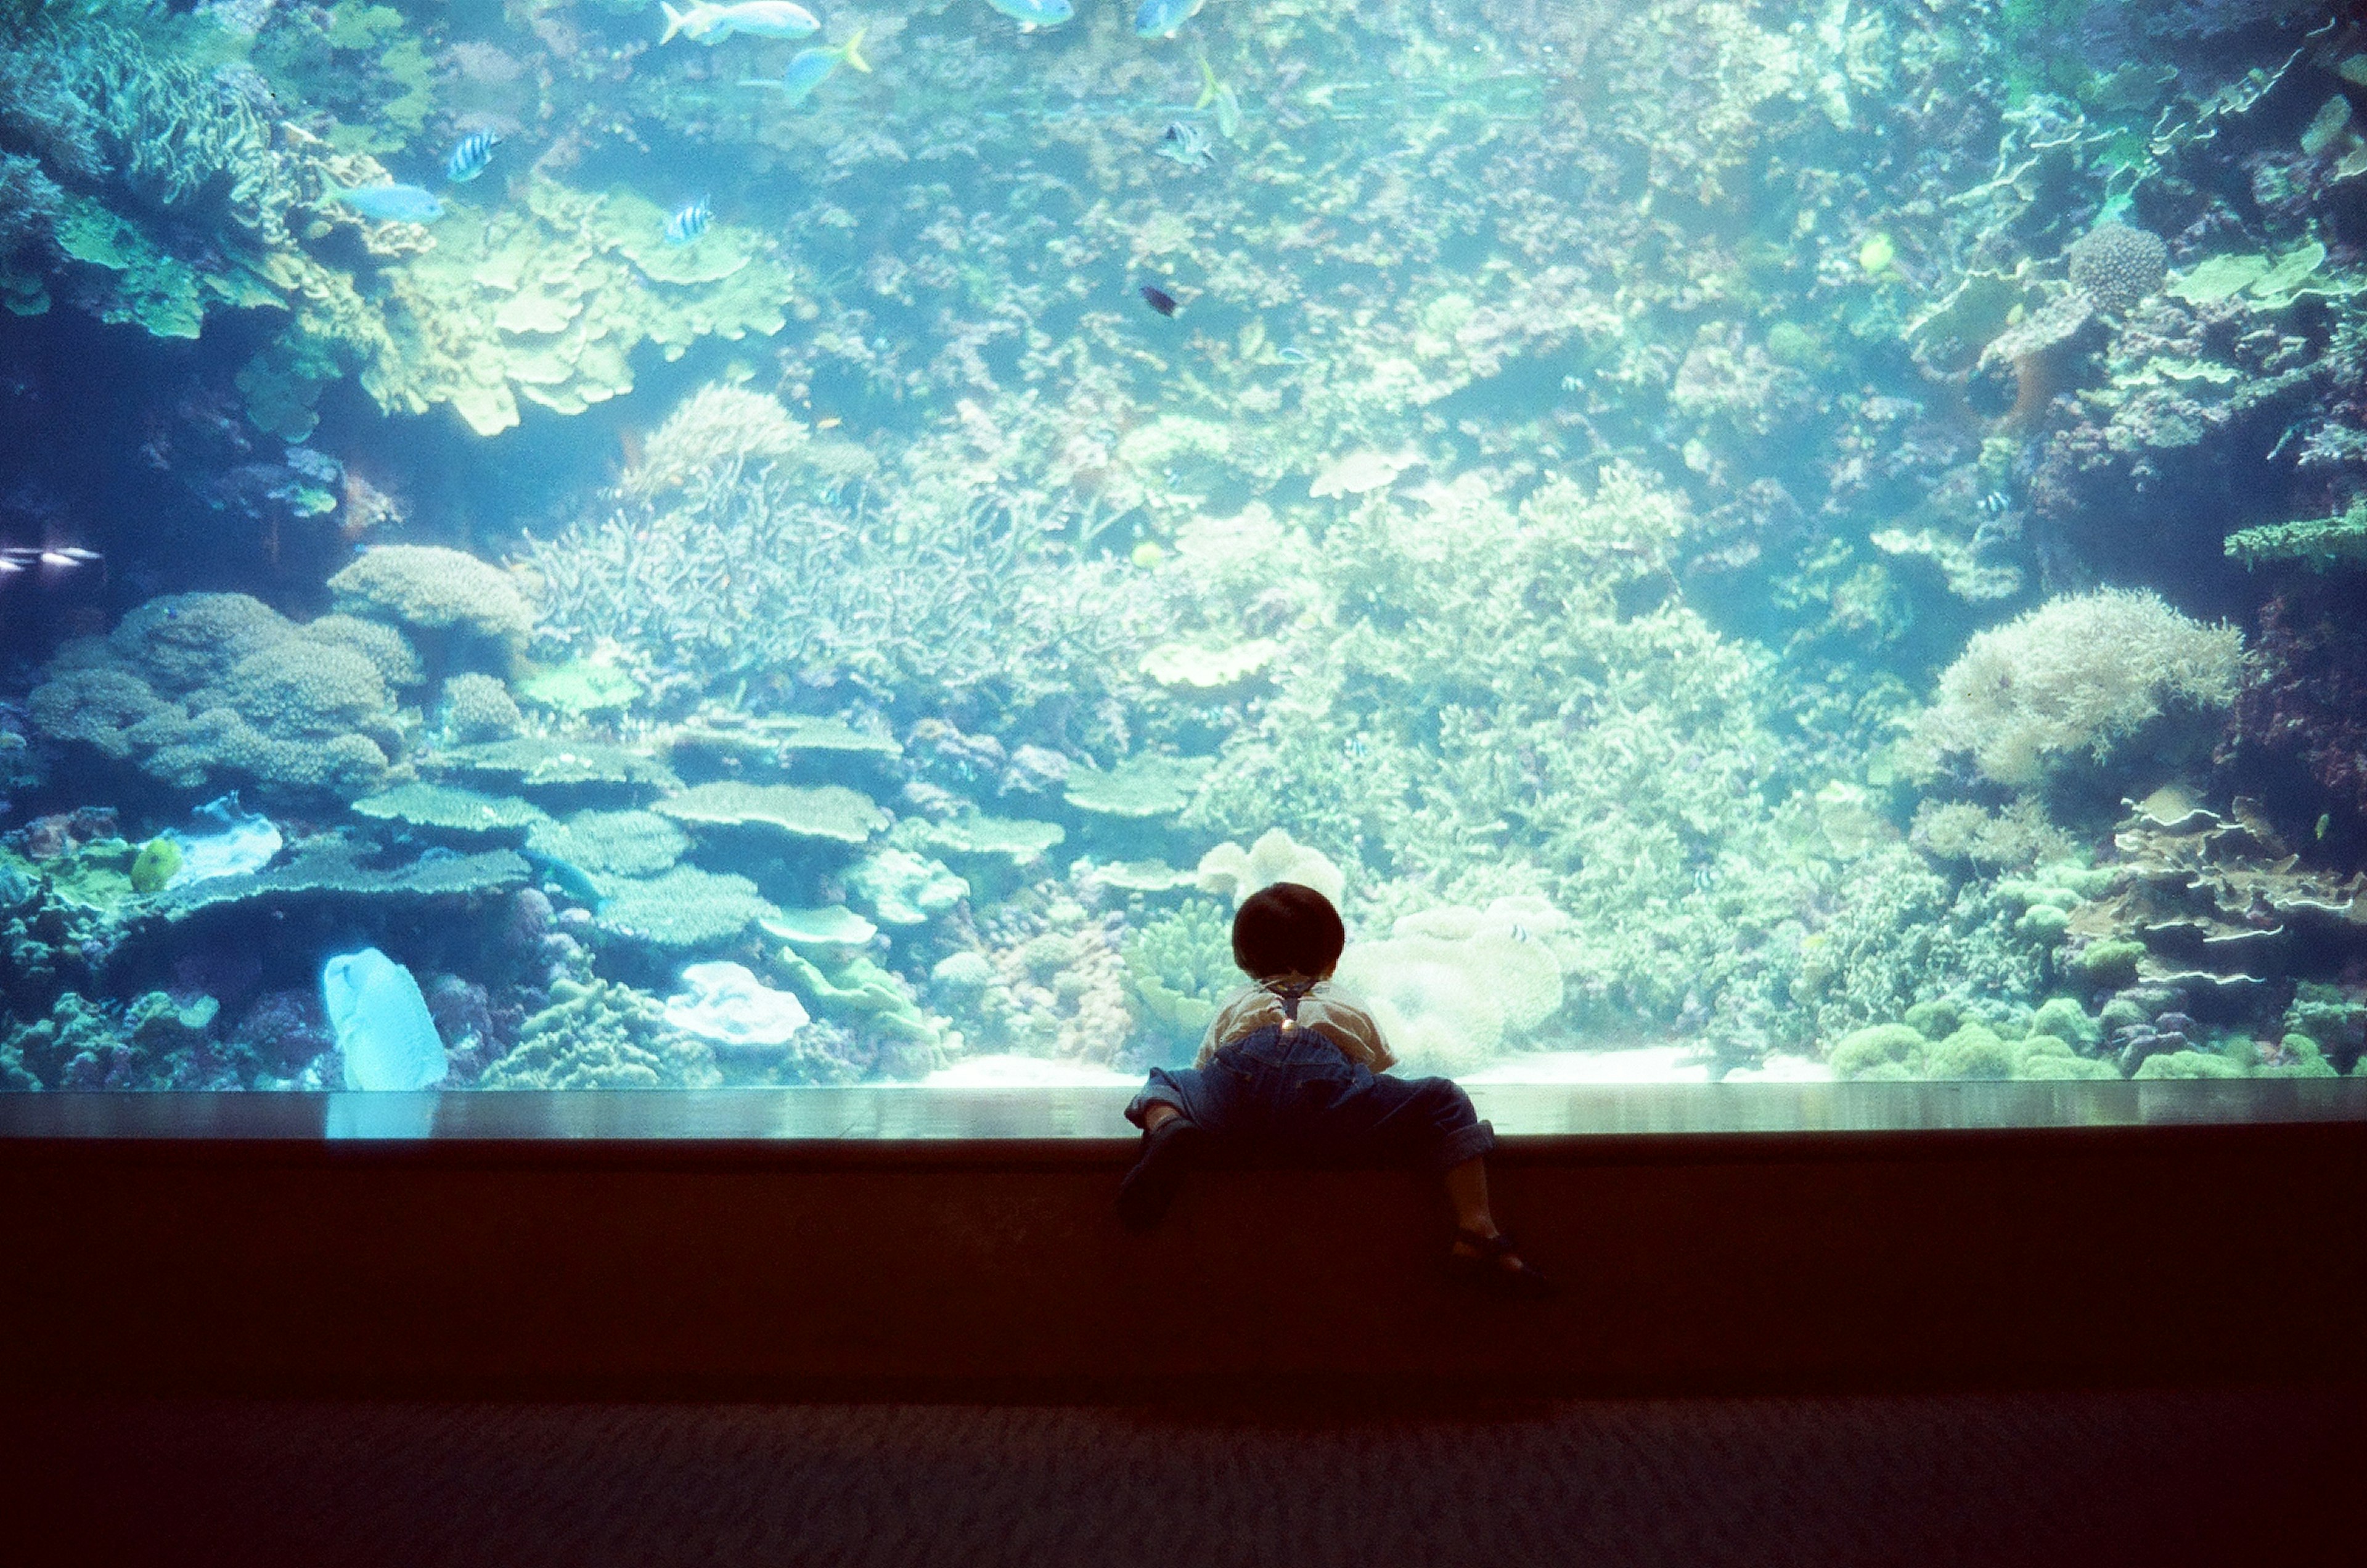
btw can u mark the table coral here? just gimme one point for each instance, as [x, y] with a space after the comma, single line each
[629, 843]
[830, 813]
[682, 908]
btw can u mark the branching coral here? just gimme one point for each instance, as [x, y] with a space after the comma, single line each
[2075, 679]
[731, 557]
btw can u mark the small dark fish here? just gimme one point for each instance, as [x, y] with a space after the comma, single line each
[1159, 300]
[470, 158]
[1995, 503]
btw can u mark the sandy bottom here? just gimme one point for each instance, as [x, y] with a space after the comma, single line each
[1639, 1064]
[1026, 1072]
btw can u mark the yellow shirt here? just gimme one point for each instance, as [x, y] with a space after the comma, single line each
[1326, 1009]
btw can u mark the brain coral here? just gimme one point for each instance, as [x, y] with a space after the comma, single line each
[434, 588]
[2116, 266]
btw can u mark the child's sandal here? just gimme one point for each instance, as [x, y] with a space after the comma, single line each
[1495, 1265]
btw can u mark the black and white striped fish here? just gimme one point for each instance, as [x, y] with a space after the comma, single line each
[470, 158]
[1994, 504]
[689, 223]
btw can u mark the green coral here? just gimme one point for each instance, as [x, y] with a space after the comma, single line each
[1145, 785]
[1181, 966]
[830, 813]
[684, 908]
[2322, 544]
[851, 988]
[548, 298]
[599, 1034]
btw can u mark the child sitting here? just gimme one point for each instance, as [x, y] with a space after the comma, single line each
[1293, 1065]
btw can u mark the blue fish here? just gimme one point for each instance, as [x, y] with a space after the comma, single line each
[1036, 13]
[809, 68]
[391, 204]
[689, 223]
[566, 876]
[1160, 19]
[470, 158]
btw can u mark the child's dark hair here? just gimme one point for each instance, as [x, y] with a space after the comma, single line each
[1286, 929]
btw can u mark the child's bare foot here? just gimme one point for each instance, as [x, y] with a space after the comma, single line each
[1489, 1261]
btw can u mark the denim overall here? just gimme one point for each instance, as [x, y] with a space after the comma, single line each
[1285, 1092]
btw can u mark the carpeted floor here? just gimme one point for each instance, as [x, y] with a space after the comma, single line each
[2239, 1477]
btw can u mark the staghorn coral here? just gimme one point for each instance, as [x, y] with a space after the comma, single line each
[2075, 678]
[736, 556]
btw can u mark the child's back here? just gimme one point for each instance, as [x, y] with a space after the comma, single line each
[1323, 1008]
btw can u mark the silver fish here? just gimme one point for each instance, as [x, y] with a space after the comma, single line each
[391, 204]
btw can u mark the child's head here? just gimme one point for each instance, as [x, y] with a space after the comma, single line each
[1287, 929]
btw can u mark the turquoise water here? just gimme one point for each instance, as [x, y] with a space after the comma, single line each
[554, 547]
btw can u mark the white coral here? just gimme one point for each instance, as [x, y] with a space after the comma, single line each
[2077, 676]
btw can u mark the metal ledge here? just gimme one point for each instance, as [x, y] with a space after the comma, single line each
[892, 1113]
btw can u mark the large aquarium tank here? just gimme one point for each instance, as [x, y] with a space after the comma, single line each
[588, 545]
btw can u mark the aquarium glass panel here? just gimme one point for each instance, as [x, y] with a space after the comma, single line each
[571, 544]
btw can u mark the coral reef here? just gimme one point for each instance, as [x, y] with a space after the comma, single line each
[1580, 435]
[2116, 266]
[430, 588]
[2075, 678]
[204, 689]
[601, 1035]
[1181, 966]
